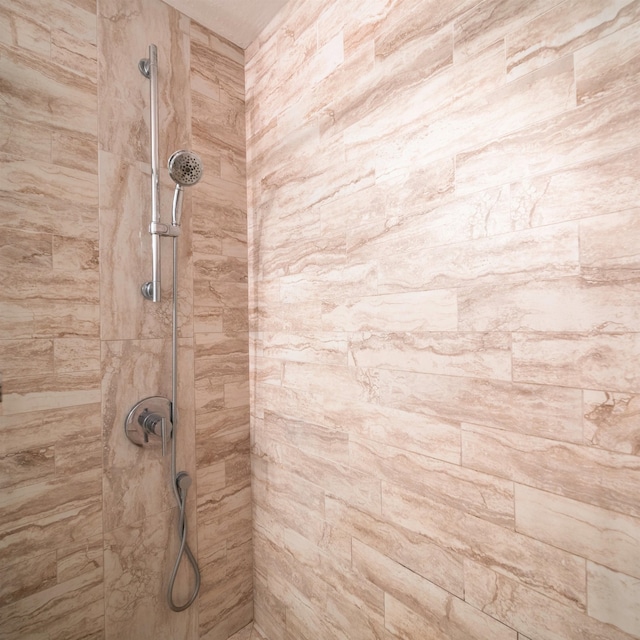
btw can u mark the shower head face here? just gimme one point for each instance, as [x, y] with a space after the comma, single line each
[185, 168]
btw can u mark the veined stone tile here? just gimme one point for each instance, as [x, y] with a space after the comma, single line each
[43, 92]
[409, 548]
[222, 356]
[573, 304]
[489, 22]
[21, 358]
[553, 412]
[21, 506]
[20, 251]
[236, 394]
[555, 467]
[608, 64]
[222, 434]
[445, 619]
[426, 435]
[80, 558]
[603, 185]
[504, 259]
[82, 453]
[578, 360]
[477, 355]
[564, 29]
[75, 254]
[22, 32]
[614, 598]
[528, 611]
[470, 217]
[602, 536]
[219, 268]
[138, 557]
[47, 198]
[50, 391]
[72, 610]
[27, 576]
[74, 53]
[604, 260]
[411, 311]
[76, 354]
[321, 348]
[24, 140]
[480, 495]
[41, 429]
[218, 126]
[48, 319]
[313, 439]
[601, 128]
[611, 421]
[123, 40]
[28, 466]
[556, 573]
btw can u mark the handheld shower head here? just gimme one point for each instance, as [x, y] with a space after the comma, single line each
[185, 169]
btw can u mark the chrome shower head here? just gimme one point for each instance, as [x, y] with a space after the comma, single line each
[185, 168]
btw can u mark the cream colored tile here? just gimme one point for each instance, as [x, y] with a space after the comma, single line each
[529, 612]
[577, 360]
[542, 410]
[21, 32]
[21, 358]
[76, 354]
[74, 53]
[555, 466]
[26, 577]
[222, 356]
[601, 128]
[80, 558]
[322, 348]
[602, 536]
[481, 495]
[614, 598]
[563, 29]
[604, 259]
[555, 573]
[611, 421]
[222, 434]
[414, 605]
[415, 311]
[574, 304]
[27, 467]
[477, 355]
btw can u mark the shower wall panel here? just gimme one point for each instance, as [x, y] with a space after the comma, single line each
[444, 233]
[88, 521]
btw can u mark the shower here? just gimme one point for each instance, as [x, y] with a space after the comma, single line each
[156, 415]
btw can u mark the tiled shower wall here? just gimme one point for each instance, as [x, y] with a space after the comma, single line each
[87, 520]
[444, 241]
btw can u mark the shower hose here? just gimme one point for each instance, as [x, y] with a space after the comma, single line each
[180, 482]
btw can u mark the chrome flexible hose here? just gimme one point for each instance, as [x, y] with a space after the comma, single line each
[179, 482]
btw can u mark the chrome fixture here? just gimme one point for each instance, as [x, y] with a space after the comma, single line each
[157, 416]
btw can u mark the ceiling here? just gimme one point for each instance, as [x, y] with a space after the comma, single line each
[237, 20]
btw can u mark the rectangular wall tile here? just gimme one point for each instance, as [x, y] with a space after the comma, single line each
[610, 421]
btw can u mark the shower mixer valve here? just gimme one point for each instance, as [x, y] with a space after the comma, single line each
[149, 417]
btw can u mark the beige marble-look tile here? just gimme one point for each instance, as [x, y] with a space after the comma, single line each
[221, 356]
[611, 421]
[50, 391]
[488, 22]
[427, 435]
[481, 495]
[21, 32]
[43, 92]
[452, 618]
[80, 558]
[26, 357]
[74, 53]
[73, 610]
[602, 536]
[601, 127]
[27, 467]
[47, 198]
[478, 355]
[608, 64]
[409, 548]
[124, 39]
[551, 571]
[27, 576]
[222, 434]
[503, 259]
[322, 348]
[555, 466]
[415, 311]
[528, 611]
[138, 558]
[76, 354]
[563, 29]
[614, 598]
[604, 260]
[578, 360]
[573, 304]
[542, 410]
[603, 185]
